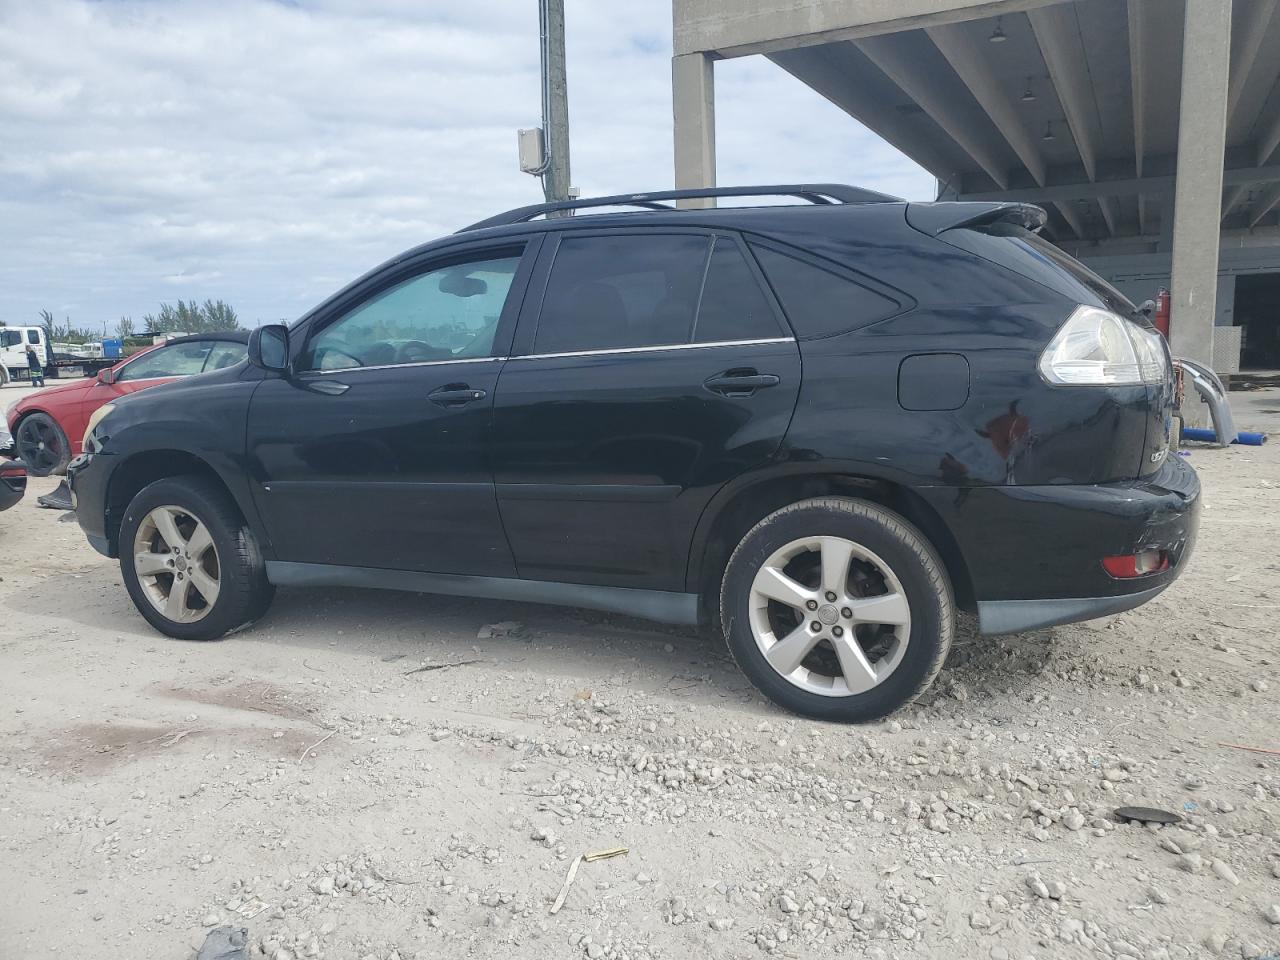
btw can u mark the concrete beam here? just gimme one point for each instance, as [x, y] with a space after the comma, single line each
[1137, 79]
[739, 28]
[843, 75]
[1269, 140]
[1119, 187]
[1230, 197]
[1247, 40]
[1072, 216]
[1197, 211]
[1058, 34]
[1110, 214]
[1263, 204]
[693, 104]
[972, 68]
[893, 56]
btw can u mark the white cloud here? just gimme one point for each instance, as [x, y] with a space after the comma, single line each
[266, 152]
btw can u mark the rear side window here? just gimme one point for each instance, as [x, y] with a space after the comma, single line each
[628, 291]
[733, 307]
[1035, 258]
[33, 336]
[819, 302]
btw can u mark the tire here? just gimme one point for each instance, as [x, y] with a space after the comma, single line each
[42, 444]
[891, 571]
[172, 510]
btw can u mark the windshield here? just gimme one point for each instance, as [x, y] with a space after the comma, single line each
[1035, 258]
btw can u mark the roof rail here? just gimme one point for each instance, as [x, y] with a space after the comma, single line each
[818, 193]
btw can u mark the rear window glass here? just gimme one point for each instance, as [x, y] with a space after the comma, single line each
[819, 302]
[733, 306]
[1034, 257]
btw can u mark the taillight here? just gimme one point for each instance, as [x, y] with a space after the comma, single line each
[1130, 565]
[1096, 347]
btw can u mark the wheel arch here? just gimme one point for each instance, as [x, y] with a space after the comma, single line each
[146, 467]
[739, 507]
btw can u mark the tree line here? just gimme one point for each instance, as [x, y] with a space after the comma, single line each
[186, 316]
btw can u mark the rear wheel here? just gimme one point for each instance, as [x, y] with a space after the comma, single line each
[190, 563]
[837, 609]
[42, 444]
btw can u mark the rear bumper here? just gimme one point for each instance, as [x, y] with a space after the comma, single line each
[1034, 554]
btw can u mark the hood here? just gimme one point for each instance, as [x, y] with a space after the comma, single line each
[61, 390]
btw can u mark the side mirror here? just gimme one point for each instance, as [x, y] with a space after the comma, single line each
[107, 376]
[269, 347]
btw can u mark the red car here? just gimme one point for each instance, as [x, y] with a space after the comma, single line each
[49, 424]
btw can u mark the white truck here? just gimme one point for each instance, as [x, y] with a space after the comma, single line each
[13, 352]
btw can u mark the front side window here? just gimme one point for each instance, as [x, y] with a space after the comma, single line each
[608, 293]
[450, 313]
[10, 338]
[224, 353]
[176, 360]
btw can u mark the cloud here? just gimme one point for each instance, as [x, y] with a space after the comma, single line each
[266, 152]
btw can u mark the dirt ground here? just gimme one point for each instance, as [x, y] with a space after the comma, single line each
[375, 775]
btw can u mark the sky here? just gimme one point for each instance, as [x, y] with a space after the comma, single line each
[267, 152]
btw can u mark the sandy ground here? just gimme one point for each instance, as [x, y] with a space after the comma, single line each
[369, 775]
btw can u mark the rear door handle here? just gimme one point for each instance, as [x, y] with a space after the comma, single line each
[455, 395]
[740, 383]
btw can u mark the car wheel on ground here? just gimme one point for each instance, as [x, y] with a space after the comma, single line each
[42, 444]
[837, 609]
[190, 563]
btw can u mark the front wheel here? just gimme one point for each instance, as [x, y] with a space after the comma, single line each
[42, 444]
[190, 563]
[837, 609]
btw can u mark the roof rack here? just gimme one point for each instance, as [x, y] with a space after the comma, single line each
[817, 193]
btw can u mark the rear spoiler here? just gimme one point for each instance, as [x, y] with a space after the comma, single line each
[936, 218]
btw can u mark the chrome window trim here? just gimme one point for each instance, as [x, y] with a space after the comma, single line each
[654, 349]
[312, 374]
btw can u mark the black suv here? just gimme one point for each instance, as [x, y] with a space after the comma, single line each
[821, 426]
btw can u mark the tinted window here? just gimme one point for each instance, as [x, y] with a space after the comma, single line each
[1035, 258]
[33, 336]
[445, 314]
[10, 338]
[223, 354]
[628, 291]
[179, 360]
[818, 302]
[733, 306]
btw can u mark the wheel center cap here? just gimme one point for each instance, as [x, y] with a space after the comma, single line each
[828, 614]
[181, 563]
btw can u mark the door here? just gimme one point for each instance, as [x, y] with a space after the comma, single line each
[373, 452]
[655, 370]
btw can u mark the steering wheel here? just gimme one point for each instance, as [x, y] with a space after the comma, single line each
[416, 350]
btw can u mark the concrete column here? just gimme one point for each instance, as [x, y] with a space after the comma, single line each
[693, 95]
[1197, 209]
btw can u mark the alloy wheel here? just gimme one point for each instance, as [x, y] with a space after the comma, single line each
[830, 616]
[176, 564]
[39, 445]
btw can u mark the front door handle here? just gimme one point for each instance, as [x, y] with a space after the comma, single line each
[331, 388]
[455, 395]
[740, 383]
